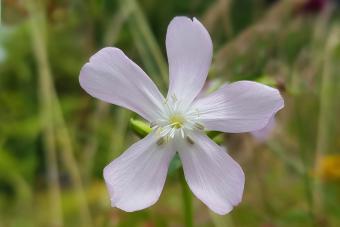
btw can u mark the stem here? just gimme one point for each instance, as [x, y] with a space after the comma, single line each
[17, 180]
[71, 165]
[262, 186]
[102, 109]
[264, 30]
[304, 159]
[326, 110]
[56, 129]
[122, 117]
[221, 221]
[278, 151]
[91, 147]
[187, 200]
[146, 42]
[46, 100]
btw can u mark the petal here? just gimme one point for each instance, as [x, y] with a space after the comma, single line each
[189, 50]
[239, 107]
[136, 178]
[264, 133]
[112, 77]
[212, 175]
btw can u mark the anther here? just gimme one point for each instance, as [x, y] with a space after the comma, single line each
[174, 98]
[199, 126]
[161, 141]
[152, 124]
[198, 113]
[190, 140]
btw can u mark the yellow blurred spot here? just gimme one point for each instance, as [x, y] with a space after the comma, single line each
[329, 168]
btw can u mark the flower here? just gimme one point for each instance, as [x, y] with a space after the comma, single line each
[136, 178]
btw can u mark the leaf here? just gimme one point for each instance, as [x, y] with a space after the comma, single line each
[141, 128]
[175, 164]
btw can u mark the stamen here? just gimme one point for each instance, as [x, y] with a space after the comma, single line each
[174, 98]
[161, 141]
[153, 124]
[198, 113]
[182, 133]
[176, 120]
[199, 126]
[189, 140]
[172, 133]
[164, 131]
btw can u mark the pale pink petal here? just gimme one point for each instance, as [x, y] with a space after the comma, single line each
[189, 50]
[209, 87]
[112, 77]
[264, 133]
[242, 106]
[212, 175]
[136, 178]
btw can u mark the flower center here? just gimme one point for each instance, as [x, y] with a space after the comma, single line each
[176, 121]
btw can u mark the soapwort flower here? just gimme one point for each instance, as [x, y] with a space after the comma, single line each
[136, 178]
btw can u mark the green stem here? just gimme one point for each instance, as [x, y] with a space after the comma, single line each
[146, 42]
[57, 130]
[102, 109]
[324, 121]
[46, 106]
[306, 163]
[91, 147]
[187, 201]
[221, 221]
[279, 152]
[119, 132]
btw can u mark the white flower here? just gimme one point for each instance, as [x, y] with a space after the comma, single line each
[136, 178]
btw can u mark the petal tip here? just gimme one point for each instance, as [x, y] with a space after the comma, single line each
[106, 172]
[224, 211]
[106, 51]
[181, 18]
[134, 207]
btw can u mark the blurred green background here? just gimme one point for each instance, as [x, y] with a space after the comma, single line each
[55, 139]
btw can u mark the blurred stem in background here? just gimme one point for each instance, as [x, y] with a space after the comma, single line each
[46, 106]
[16, 179]
[266, 29]
[154, 63]
[187, 200]
[101, 111]
[54, 123]
[220, 9]
[320, 49]
[303, 152]
[279, 151]
[91, 146]
[119, 133]
[146, 43]
[326, 110]
[221, 221]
